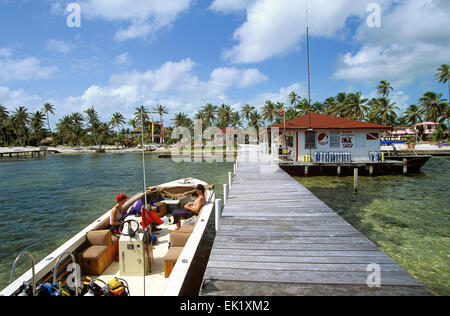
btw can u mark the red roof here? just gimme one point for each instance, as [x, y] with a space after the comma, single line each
[326, 122]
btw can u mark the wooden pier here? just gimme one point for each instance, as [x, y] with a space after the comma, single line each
[276, 238]
[23, 153]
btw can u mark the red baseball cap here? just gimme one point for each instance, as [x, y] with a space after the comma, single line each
[121, 197]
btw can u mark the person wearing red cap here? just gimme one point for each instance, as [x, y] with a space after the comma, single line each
[117, 212]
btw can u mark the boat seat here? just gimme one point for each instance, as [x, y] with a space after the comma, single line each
[170, 259]
[99, 254]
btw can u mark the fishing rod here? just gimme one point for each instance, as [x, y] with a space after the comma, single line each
[143, 171]
[309, 75]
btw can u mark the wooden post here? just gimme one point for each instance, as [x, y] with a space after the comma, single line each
[225, 194]
[371, 170]
[339, 171]
[306, 171]
[405, 167]
[234, 169]
[218, 212]
[230, 180]
[355, 179]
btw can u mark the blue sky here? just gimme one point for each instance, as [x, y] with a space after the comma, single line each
[185, 53]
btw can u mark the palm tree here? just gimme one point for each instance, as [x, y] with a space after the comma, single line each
[292, 113]
[384, 88]
[4, 114]
[247, 110]
[63, 127]
[94, 123]
[433, 106]
[142, 113]
[256, 121]
[269, 111]
[294, 98]
[181, 119]
[412, 115]
[443, 76]
[117, 121]
[49, 108]
[387, 111]
[19, 122]
[209, 113]
[224, 115]
[236, 120]
[161, 110]
[76, 127]
[303, 107]
[355, 107]
[37, 125]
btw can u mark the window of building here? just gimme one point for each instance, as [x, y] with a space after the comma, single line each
[335, 140]
[310, 140]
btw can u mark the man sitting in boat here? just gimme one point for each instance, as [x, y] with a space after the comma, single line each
[191, 208]
[118, 213]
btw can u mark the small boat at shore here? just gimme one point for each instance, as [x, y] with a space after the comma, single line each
[97, 262]
[413, 162]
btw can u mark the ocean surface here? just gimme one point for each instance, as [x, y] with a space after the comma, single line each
[406, 217]
[45, 201]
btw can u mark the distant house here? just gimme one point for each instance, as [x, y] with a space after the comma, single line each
[314, 132]
[429, 129]
[231, 135]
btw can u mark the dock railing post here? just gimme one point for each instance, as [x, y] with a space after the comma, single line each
[218, 212]
[225, 194]
[230, 180]
[405, 167]
[355, 179]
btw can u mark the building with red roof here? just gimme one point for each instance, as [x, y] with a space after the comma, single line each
[317, 133]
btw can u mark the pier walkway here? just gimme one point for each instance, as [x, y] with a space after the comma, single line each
[276, 238]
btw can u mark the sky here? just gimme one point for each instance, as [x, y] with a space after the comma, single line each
[118, 54]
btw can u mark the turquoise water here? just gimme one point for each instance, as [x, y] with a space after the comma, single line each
[45, 201]
[407, 217]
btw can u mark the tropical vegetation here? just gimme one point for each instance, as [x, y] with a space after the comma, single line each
[20, 127]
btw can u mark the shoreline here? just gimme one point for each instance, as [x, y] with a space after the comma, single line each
[402, 149]
[89, 150]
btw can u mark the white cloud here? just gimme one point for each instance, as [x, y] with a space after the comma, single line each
[275, 28]
[411, 44]
[281, 95]
[60, 46]
[123, 60]
[139, 18]
[14, 98]
[5, 52]
[22, 69]
[228, 6]
[173, 84]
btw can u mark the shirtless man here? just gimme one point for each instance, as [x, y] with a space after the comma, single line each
[191, 208]
[117, 213]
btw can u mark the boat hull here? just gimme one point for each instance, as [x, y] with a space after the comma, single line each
[414, 162]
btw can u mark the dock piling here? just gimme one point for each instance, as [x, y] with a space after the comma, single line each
[225, 194]
[218, 212]
[230, 180]
[355, 179]
[405, 167]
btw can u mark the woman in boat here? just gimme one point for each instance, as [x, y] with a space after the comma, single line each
[191, 208]
[117, 213]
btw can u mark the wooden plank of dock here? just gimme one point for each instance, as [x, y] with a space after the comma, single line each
[276, 238]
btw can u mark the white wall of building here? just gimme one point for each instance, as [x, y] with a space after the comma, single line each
[354, 142]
